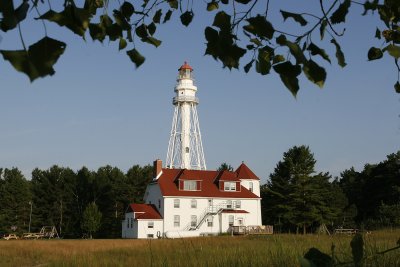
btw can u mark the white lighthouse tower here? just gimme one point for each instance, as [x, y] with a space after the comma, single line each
[185, 149]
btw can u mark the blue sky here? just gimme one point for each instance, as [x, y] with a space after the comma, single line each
[98, 109]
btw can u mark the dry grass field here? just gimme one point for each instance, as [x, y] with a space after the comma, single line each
[275, 250]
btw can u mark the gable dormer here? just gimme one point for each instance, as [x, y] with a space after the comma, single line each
[187, 180]
[227, 181]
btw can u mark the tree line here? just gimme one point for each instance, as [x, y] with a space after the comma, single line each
[295, 198]
[59, 197]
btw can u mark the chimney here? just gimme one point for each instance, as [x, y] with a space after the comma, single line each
[157, 165]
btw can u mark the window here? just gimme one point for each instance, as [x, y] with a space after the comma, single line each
[193, 203]
[230, 186]
[131, 222]
[210, 221]
[230, 220]
[176, 220]
[229, 204]
[159, 204]
[187, 149]
[150, 225]
[176, 203]
[193, 221]
[238, 204]
[251, 186]
[127, 223]
[190, 185]
[150, 236]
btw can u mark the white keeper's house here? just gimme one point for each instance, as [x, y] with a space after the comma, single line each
[184, 199]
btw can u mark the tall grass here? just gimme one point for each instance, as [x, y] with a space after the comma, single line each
[274, 250]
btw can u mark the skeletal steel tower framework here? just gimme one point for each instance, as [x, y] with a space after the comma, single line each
[185, 149]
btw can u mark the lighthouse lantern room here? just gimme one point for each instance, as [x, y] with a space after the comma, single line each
[185, 148]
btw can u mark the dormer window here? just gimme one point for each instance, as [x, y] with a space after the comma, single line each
[190, 185]
[229, 186]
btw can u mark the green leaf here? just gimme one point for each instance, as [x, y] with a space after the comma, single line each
[314, 73]
[318, 258]
[397, 89]
[244, 2]
[222, 21]
[212, 6]
[315, 50]
[297, 17]
[260, 27]
[263, 63]
[10, 17]
[167, 16]
[127, 10]
[157, 16]
[339, 54]
[211, 34]
[374, 53]
[141, 31]
[322, 28]
[278, 59]
[91, 5]
[135, 57]
[152, 41]
[378, 34]
[288, 74]
[248, 66]
[357, 249]
[121, 20]
[151, 28]
[225, 2]
[256, 41]
[340, 14]
[173, 4]
[393, 50]
[186, 18]
[296, 51]
[75, 19]
[97, 31]
[39, 60]
[114, 32]
[122, 43]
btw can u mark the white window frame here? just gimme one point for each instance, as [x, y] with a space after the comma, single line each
[193, 220]
[193, 204]
[251, 187]
[150, 224]
[238, 204]
[231, 220]
[229, 204]
[189, 185]
[177, 220]
[229, 186]
[177, 203]
[210, 221]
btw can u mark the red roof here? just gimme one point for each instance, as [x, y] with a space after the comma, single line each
[227, 176]
[234, 211]
[145, 211]
[243, 172]
[185, 66]
[169, 186]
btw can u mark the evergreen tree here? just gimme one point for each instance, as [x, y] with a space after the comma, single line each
[14, 201]
[294, 198]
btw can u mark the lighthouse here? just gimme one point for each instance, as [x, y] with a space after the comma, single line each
[185, 149]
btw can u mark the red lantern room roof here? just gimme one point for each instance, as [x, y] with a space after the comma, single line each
[185, 66]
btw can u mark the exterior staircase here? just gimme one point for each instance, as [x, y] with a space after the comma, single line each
[211, 210]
